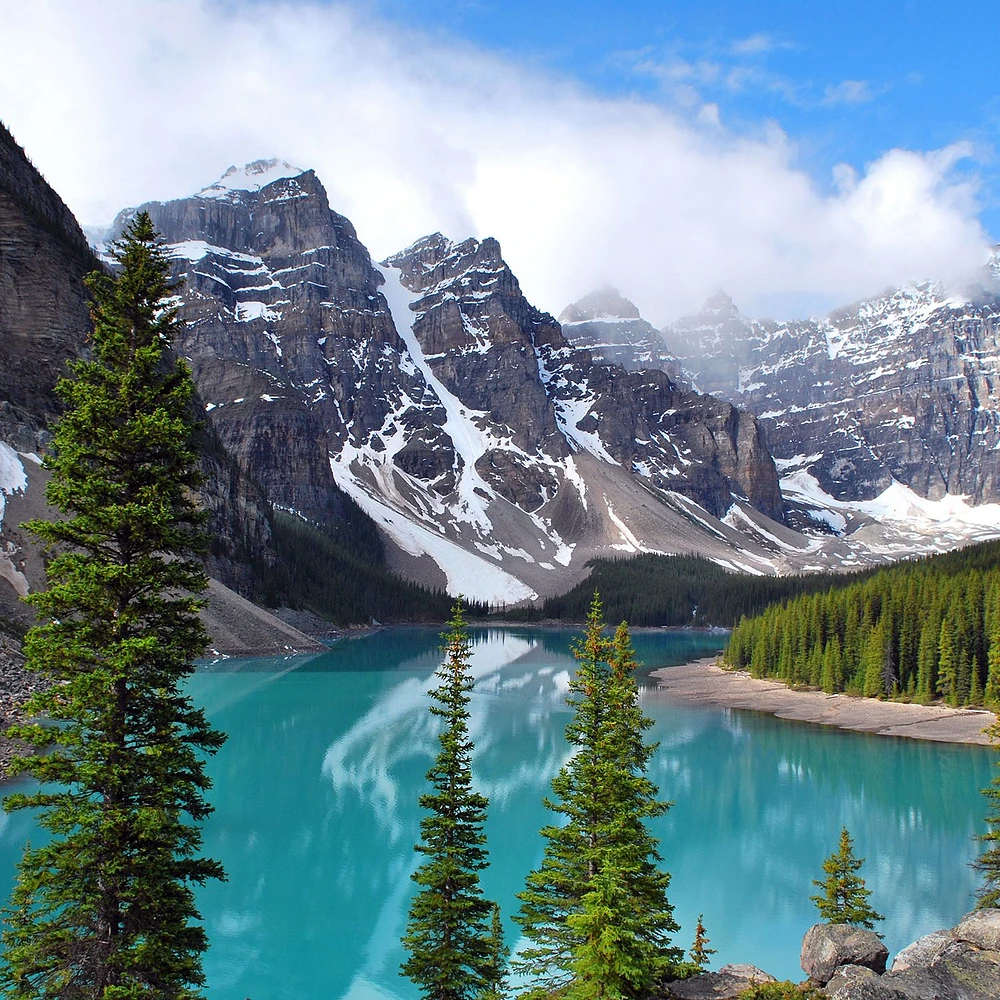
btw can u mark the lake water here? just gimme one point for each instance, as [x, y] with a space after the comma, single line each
[316, 790]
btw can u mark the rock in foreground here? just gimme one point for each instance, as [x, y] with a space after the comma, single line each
[726, 984]
[958, 964]
[827, 947]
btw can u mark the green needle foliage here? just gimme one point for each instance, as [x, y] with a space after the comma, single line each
[596, 912]
[844, 899]
[105, 909]
[700, 952]
[453, 934]
[989, 861]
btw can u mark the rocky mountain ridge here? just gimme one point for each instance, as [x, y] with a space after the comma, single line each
[901, 388]
[44, 324]
[496, 451]
[494, 456]
[882, 417]
[610, 327]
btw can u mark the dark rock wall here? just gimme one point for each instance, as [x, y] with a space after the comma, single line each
[43, 313]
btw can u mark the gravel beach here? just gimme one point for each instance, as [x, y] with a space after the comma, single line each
[703, 681]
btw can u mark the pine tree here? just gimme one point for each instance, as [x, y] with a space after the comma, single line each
[555, 889]
[499, 955]
[872, 661]
[989, 861]
[106, 908]
[844, 899]
[596, 911]
[450, 934]
[700, 951]
[991, 695]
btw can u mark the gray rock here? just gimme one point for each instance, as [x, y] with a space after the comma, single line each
[913, 364]
[874, 988]
[846, 975]
[826, 947]
[961, 972]
[981, 928]
[924, 951]
[726, 984]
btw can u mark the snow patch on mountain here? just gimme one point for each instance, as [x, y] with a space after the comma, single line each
[899, 503]
[251, 177]
[12, 476]
[469, 441]
[468, 574]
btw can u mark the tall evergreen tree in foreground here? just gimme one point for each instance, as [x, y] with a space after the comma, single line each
[596, 912]
[844, 898]
[989, 861]
[105, 909]
[453, 933]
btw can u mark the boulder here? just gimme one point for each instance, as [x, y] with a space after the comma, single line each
[826, 947]
[847, 975]
[958, 964]
[960, 972]
[876, 988]
[981, 928]
[726, 984]
[923, 952]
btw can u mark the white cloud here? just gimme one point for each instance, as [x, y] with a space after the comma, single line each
[848, 92]
[754, 45]
[119, 101]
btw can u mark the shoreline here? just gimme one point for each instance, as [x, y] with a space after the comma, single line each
[704, 682]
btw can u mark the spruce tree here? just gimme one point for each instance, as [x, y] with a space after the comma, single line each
[452, 930]
[991, 695]
[844, 899]
[700, 951]
[989, 861]
[105, 909]
[596, 912]
[554, 890]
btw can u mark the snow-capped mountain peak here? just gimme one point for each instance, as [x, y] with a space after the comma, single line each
[250, 177]
[605, 305]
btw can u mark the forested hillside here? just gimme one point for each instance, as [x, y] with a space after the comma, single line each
[917, 630]
[678, 590]
[339, 573]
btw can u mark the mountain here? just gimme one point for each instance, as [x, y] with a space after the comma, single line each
[43, 313]
[610, 327]
[421, 414]
[493, 455]
[897, 388]
[44, 323]
[890, 401]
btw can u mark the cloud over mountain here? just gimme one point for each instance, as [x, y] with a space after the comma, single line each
[123, 100]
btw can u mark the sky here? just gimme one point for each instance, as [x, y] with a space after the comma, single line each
[797, 155]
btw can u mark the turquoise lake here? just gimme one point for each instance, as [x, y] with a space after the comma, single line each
[316, 815]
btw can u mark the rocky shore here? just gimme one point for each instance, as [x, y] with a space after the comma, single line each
[705, 682]
[844, 962]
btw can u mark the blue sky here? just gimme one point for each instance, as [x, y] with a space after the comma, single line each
[845, 79]
[798, 155]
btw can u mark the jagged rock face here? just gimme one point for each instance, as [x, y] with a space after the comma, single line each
[480, 336]
[44, 323]
[503, 358]
[43, 313]
[676, 440]
[289, 339]
[610, 327]
[900, 387]
[434, 394]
